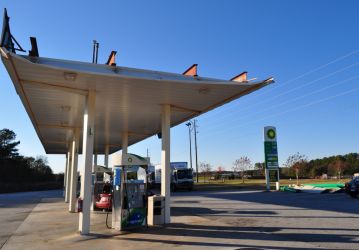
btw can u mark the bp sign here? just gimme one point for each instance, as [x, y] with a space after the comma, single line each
[270, 148]
[271, 134]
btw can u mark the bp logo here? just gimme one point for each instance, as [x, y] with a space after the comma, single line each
[271, 133]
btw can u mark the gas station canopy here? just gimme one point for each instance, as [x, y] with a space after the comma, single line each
[114, 107]
[53, 92]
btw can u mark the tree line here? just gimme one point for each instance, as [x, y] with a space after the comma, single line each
[240, 169]
[21, 171]
[296, 166]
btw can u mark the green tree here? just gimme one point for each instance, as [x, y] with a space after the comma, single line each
[41, 169]
[8, 144]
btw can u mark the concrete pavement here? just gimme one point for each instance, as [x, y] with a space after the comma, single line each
[15, 207]
[238, 219]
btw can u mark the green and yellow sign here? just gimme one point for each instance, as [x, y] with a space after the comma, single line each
[270, 148]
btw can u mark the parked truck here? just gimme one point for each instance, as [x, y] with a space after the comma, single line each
[181, 176]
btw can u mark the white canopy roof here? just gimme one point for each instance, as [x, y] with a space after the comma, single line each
[53, 92]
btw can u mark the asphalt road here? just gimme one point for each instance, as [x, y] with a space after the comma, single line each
[15, 207]
[270, 220]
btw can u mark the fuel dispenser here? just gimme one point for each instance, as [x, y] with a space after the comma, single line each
[129, 204]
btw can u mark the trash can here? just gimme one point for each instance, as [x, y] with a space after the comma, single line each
[156, 210]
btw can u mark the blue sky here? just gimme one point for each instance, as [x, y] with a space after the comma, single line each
[310, 47]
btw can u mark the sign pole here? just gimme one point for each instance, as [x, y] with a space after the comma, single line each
[267, 179]
[278, 175]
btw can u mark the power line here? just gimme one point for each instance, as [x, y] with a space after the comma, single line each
[315, 69]
[295, 79]
[290, 90]
[294, 99]
[311, 82]
[290, 110]
[287, 111]
[300, 76]
[298, 87]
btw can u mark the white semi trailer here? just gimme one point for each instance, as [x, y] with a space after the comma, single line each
[181, 176]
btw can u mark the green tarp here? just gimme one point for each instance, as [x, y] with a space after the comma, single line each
[326, 185]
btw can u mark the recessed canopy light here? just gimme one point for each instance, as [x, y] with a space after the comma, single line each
[70, 76]
[64, 123]
[204, 91]
[65, 108]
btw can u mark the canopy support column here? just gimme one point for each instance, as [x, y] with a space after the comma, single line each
[73, 179]
[107, 152]
[87, 148]
[65, 173]
[165, 160]
[116, 215]
[94, 163]
[124, 143]
[68, 174]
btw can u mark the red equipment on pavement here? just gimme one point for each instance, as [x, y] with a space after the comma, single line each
[79, 205]
[105, 202]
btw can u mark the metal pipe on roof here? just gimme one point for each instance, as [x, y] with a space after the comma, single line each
[95, 51]
[97, 46]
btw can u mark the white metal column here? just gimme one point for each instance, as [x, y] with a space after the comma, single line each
[65, 173]
[116, 216]
[94, 162]
[68, 166]
[107, 152]
[165, 160]
[92, 182]
[124, 143]
[73, 179]
[87, 151]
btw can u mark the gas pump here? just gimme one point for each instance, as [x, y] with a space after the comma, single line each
[129, 202]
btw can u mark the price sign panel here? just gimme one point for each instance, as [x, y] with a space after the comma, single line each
[270, 148]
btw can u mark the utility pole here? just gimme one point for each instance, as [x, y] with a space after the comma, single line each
[195, 145]
[189, 124]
